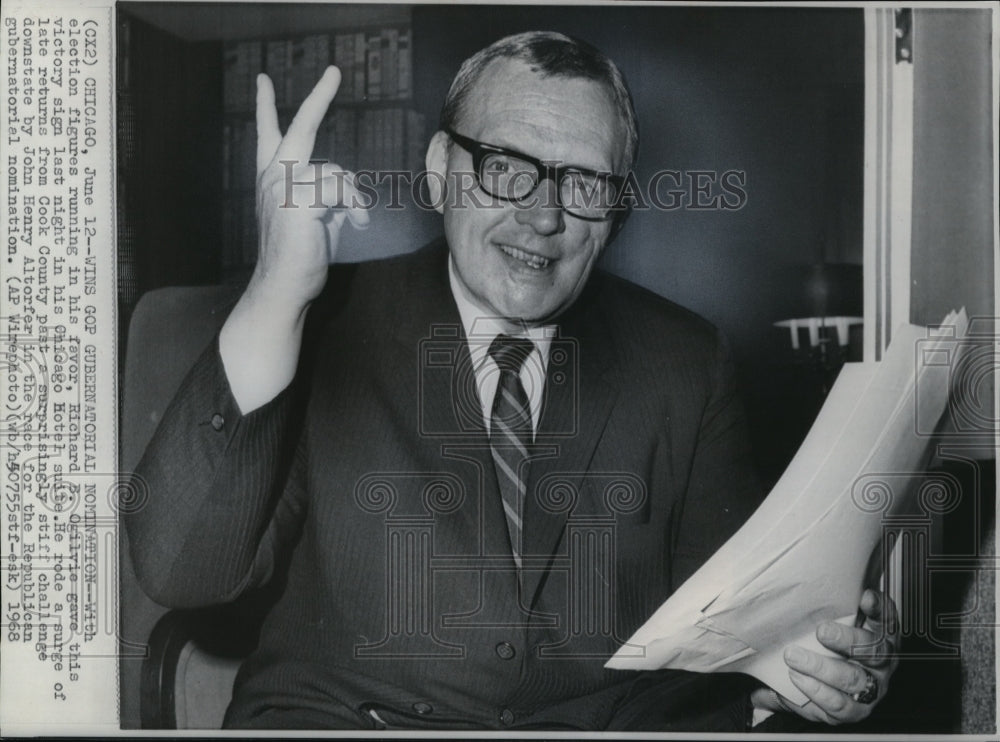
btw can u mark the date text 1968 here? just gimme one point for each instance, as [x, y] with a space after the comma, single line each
[58, 539]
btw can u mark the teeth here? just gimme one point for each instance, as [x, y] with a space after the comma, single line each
[534, 261]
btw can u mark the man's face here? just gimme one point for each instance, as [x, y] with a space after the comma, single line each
[527, 261]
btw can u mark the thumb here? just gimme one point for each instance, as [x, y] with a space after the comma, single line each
[767, 699]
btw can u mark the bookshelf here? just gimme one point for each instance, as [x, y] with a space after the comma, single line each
[372, 124]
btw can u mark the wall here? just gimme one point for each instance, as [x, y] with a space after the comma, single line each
[952, 254]
[221, 21]
[952, 265]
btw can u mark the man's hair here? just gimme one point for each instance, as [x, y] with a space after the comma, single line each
[550, 54]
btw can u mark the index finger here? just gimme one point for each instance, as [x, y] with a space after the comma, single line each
[301, 135]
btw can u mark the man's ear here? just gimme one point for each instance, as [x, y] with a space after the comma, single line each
[436, 163]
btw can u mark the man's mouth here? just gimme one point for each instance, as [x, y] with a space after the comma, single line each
[534, 261]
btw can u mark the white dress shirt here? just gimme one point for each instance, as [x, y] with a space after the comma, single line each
[481, 330]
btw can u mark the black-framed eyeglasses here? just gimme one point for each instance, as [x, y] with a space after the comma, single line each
[513, 176]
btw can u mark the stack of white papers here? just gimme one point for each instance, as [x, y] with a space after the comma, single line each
[802, 558]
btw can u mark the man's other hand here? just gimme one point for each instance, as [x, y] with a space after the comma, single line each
[842, 689]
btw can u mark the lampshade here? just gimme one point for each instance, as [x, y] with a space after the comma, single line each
[832, 289]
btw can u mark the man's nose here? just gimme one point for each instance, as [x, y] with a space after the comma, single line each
[541, 210]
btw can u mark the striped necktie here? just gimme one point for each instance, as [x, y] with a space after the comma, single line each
[511, 431]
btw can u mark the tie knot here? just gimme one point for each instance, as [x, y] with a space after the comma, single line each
[509, 353]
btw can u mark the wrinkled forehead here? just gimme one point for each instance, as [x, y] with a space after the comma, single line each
[512, 99]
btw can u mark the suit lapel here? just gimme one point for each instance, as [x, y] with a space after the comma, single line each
[579, 397]
[453, 435]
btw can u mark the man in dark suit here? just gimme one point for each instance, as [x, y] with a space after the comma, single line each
[486, 464]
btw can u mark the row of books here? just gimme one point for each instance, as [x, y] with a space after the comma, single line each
[241, 62]
[380, 139]
[375, 65]
[377, 139]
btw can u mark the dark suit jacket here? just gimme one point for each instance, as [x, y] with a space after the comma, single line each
[399, 593]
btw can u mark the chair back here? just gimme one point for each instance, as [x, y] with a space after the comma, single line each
[169, 329]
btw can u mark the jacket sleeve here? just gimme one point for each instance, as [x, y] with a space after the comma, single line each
[214, 511]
